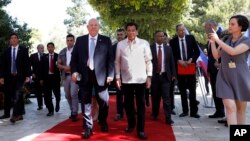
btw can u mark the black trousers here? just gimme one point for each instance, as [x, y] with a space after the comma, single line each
[217, 101]
[50, 85]
[139, 91]
[119, 101]
[85, 93]
[171, 94]
[13, 96]
[160, 89]
[188, 82]
[38, 92]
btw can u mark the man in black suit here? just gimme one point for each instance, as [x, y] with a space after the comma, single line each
[173, 82]
[212, 69]
[36, 65]
[50, 79]
[15, 71]
[163, 73]
[120, 33]
[92, 65]
[186, 51]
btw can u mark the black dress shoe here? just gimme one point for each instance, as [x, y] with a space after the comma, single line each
[118, 117]
[74, 118]
[183, 114]
[57, 108]
[222, 121]
[104, 128]
[215, 115]
[154, 118]
[128, 130]
[147, 103]
[20, 117]
[142, 135]
[13, 119]
[173, 112]
[4, 116]
[88, 132]
[50, 114]
[39, 108]
[169, 121]
[195, 116]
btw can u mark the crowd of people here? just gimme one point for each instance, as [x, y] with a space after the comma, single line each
[90, 64]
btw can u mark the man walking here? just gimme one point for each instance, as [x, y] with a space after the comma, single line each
[163, 74]
[70, 87]
[35, 60]
[133, 72]
[92, 66]
[15, 71]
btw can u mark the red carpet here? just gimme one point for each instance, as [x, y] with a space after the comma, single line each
[71, 131]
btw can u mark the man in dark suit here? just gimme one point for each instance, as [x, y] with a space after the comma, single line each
[186, 51]
[15, 71]
[212, 69]
[92, 65]
[163, 73]
[51, 79]
[120, 33]
[36, 65]
[173, 82]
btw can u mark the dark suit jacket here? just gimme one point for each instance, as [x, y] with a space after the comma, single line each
[210, 64]
[22, 63]
[192, 48]
[168, 60]
[103, 59]
[45, 68]
[36, 65]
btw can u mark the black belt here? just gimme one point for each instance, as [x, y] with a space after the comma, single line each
[66, 74]
[160, 74]
[14, 74]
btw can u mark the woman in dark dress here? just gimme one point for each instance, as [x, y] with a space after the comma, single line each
[233, 79]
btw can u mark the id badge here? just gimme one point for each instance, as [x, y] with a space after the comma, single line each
[231, 65]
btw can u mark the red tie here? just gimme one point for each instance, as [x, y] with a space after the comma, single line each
[159, 60]
[51, 69]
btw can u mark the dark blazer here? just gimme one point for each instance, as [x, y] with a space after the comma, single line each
[192, 48]
[210, 64]
[36, 65]
[22, 63]
[169, 66]
[103, 59]
[45, 67]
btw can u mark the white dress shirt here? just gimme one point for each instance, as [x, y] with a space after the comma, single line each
[68, 56]
[133, 61]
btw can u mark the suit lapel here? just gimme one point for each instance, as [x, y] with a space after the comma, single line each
[99, 40]
[187, 44]
[165, 53]
[178, 46]
[18, 53]
[9, 54]
[154, 52]
[37, 57]
[86, 45]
